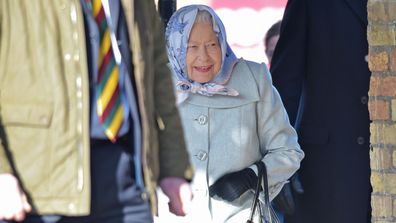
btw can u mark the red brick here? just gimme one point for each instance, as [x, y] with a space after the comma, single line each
[393, 58]
[382, 86]
[379, 110]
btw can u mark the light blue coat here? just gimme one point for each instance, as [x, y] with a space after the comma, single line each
[226, 134]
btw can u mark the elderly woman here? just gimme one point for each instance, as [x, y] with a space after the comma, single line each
[232, 116]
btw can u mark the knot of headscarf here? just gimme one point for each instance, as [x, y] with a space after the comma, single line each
[207, 89]
[177, 35]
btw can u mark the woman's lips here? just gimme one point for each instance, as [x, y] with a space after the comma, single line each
[203, 68]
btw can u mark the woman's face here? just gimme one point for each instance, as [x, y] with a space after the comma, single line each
[203, 53]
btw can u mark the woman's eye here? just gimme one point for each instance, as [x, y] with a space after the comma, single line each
[211, 45]
[191, 46]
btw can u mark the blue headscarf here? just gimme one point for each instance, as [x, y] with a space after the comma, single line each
[177, 35]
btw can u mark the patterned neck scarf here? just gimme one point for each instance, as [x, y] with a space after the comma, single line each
[177, 35]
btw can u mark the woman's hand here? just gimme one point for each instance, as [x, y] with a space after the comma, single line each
[13, 203]
[231, 186]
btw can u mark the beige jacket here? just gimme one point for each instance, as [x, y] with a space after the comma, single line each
[44, 102]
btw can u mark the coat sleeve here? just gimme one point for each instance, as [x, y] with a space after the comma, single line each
[174, 159]
[5, 166]
[278, 139]
[288, 62]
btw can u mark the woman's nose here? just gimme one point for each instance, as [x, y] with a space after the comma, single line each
[203, 53]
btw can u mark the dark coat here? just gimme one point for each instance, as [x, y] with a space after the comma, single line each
[321, 56]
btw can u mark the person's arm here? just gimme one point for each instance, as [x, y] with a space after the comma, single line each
[278, 139]
[171, 137]
[13, 201]
[175, 167]
[288, 62]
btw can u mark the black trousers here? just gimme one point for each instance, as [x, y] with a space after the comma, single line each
[115, 198]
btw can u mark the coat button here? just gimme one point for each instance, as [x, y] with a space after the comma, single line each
[202, 119]
[67, 56]
[201, 155]
[360, 140]
[364, 100]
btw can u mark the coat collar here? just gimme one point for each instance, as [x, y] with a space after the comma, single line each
[359, 7]
[241, 80]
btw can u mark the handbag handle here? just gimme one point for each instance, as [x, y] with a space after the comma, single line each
[262, 180]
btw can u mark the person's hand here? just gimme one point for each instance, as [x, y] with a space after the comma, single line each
[179, 194]
[13, 203]
[232, 185]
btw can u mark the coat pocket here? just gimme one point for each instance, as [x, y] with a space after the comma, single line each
[26, 115]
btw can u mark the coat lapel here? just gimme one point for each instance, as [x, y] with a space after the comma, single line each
[359, 7]
[241, 80]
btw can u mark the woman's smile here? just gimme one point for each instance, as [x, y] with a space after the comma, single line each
[203, 69]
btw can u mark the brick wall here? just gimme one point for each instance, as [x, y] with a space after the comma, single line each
[382, 105]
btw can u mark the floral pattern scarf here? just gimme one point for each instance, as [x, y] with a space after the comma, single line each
[177, 35]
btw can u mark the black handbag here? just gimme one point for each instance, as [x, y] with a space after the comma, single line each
[284, 201]
[264, 208]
